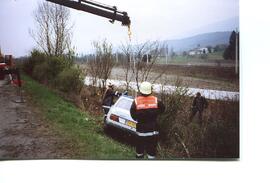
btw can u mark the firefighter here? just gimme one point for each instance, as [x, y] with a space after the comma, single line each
[198, 105]
[108, 96]
[145, 109]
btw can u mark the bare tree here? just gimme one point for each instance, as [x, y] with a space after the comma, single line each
[53, 30]
[143, 58]
[93, 69]
[126, 64]
[101, 66]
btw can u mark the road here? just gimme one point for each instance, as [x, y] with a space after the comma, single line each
[24, 134]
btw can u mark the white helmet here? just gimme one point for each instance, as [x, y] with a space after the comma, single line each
[146, 88]
[110, 84]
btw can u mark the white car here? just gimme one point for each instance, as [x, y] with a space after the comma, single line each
[119, 115]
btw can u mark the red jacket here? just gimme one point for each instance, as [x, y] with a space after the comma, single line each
[145, 110]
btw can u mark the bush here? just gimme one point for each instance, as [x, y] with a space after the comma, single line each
[40, 72]
[48, 69]
[70, 80]
[222, 129]
[55, 66]
[36, 58]
[45, 68]
[218, 137]
[175, 106]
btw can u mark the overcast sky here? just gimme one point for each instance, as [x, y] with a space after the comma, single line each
[150, 20]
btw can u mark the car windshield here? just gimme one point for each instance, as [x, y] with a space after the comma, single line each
[124, 103]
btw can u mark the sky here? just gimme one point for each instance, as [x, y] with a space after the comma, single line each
[150, 20]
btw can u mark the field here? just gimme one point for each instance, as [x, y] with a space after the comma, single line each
[205, 77]
[211, 73]
[211, 59]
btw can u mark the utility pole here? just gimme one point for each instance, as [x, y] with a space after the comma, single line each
[166, 57]
[236, 52]
[135, 71]
[116, 57]
[134, 64]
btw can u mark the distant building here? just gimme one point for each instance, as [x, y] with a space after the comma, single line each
[198, 51]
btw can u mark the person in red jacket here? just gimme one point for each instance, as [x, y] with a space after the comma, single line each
[145, 110]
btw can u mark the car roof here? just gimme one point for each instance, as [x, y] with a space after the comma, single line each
[128, 96]
[123, 112]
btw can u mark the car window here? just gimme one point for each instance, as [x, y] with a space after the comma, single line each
[124, 103]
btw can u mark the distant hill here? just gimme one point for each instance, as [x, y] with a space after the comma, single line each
[207, 39]
[220, 26]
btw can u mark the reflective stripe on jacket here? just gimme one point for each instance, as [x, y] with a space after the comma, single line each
[149, 102]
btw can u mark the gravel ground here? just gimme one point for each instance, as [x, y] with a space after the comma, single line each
[23, 132]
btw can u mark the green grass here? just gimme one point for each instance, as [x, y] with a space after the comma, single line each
[216, 55]
[85, 131]
[175, 60]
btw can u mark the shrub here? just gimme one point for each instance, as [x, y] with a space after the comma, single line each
[218, 137]
[40, 72]
[45, 68]
[70, 80]
[222, 129]
[36, 58]
[56, 65]
[172, 121]
[48, 69]
[175, 106]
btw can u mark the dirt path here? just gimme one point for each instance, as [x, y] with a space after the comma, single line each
[24, 134]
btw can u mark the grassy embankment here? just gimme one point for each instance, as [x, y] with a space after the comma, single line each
[85, 131]
[217, 138]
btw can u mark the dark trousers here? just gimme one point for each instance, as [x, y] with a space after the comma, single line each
[194, 112]
[105, 110]
[148, 144]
